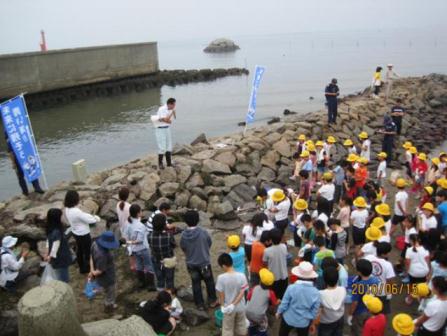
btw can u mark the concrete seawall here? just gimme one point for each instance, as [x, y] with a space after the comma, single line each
[58, 69]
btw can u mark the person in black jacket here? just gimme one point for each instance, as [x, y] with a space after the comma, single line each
[332, 92]
[59, 255]
[157, 313]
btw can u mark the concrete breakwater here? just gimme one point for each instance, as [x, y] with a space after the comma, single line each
[113, 87]
[218, 176]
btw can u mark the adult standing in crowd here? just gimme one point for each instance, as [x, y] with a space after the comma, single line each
[122, 211]
[79, 222]
[389, 131]
[163, 131]
[11, 269]
[377, 82]
[196, 243]
[397, 113]
[59, 254]
[390, 76]
[19, 172]
[332, 92]
[162, 245]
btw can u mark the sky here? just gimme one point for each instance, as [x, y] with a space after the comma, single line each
[81, 23]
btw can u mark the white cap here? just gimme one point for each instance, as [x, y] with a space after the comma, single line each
[390, 65]
[9, 241]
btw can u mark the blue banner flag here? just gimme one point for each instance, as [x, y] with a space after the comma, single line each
[259, 71]
[18, 129]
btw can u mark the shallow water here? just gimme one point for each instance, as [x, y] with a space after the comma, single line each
[113, 130]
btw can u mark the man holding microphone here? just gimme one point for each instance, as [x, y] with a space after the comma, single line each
[162, 123]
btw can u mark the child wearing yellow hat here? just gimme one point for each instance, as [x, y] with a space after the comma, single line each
[237, 253]
[420, 170]
[260, 298]
[366, 146]
[403, 324]
[400, 204]
[428, 226]
[381, 169]
[350, 146]
[434, 172]
[300, 145]
[358, 221]
[376, 324]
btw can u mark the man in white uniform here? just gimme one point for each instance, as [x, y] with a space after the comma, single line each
[163, 132]
[390, 76]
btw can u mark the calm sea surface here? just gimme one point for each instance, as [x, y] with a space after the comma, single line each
[110, 131]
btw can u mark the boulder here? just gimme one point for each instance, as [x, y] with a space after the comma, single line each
[108, 210]
[200, 139]
[197, 203]
[230, 225]
[29, 283]
[270, 159]
[97, 229]
[183, 173]
[182, 198]
[245, 192]
[213, 203]
[204, 155]
[195, 181]
[266, 174]
[149, 186]
[185, 294]
[168, 189]
[161, 200]
[199, 192]
[226, 158]
[168, 174]
[100, 328]
[205, 219]
[135, 177]
[115, 178]
[27, 232]
[132, 326]
[90, 206]
[231, 181]
[235, 200]
[212, 166]
[8, 322]
[36, 214]
[283, 148]
[221, 45]
[194, 317]
[31, 265]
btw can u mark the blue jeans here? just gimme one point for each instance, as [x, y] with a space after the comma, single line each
[331, 329]
[165, 276]
[62, 274]
[143, 261]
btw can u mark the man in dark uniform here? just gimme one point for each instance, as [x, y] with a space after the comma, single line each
[19, 171]
[397, 112]
[331, 92]
[389, 131]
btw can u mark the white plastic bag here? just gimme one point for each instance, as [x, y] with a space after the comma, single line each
[48, 275]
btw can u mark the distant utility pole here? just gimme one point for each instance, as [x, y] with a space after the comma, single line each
[43, 42]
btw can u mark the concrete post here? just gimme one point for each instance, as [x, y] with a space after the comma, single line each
[49, 310]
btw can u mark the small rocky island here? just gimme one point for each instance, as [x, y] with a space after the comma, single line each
[221, 45]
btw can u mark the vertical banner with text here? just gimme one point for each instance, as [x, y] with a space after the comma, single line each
[259, 71]
[21, 139]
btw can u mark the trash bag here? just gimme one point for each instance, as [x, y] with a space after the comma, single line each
[91, 288]
[48, 275]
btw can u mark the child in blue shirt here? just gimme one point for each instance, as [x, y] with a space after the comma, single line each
[237, 253]
[441, 198]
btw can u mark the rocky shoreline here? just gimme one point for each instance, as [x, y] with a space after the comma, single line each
[42, 100]
[217, 176]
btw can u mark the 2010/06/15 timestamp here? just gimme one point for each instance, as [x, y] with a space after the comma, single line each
[384, 289]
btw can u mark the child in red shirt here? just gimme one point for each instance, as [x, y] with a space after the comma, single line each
[421, 169]
[376, 324]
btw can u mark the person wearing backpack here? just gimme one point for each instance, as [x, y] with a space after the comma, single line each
[10, 267]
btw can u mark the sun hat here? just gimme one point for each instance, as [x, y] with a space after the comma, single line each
[331, 139]
[9, 241]
[373, 304]
[304, 270]
[436, 161]
[363, 160]
[401, 183]
[233, 241]
[373, 233]
[309, 142]
[278, 196]
[413, 150]
[422, 156]
[267, 278]
[363, 135]
[442, 182]
[304, 154]
[352, 157]
[383, 209]
[311, 147]
[382, 155]
[407, 145]
[348, 142]
[378, 223]
[328, 176]
[421, 291]
[319, 143]
[302, 137]
[300, 204]
[360, 202]
[428, 206]
[403, 324]
[108, 241]
[429, 190]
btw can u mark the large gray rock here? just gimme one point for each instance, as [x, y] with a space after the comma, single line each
[149, 186]
[168, 175]
[27, 231]
[135, 177]
[212, 166]
[100, 328]
[115, 178]
[266, 174]
[221, 45]
[195, 180]
[108, 210]
[235, 200]
[204, 155]
[49, 310]
[8, 322]
[230, 225]
[283, 148]
[168, 189]
[245, 192]
[97, 229]
[200, 139]
[197, 203]
[194, 317]
[182, 198]
[270, 159]
[183, 173]
[231, 181]
[227, 158]
[132, 326]
[38, 213]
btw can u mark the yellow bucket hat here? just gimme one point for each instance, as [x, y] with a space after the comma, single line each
[422, 157]
[401, 183]
[403, 324]
[348, 143]
[382, 155]
[360, 202]
[429, 190]
[383, 209]
[300, 204]
[328, 176]
[436, 161]
[413, 150]
[233, 241]
[373, 304]
[373, 233]
[428, 206]
[302, 137]
[352, 157]
[331, 139]
[378, 223]
[442, 182]
[278, 196]
[304, 154]
[267, 278]
[319, 143]
[422, 290]
[407, 145]
[363, 135]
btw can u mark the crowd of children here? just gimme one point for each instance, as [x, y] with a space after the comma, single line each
[350, 227]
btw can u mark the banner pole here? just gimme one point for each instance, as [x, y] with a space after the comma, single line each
[44, 177]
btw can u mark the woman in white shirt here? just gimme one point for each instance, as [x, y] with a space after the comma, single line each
[80, 222]
[122, 210]
[434, 317]
[417, 263]
[358, 221]
[252, 232]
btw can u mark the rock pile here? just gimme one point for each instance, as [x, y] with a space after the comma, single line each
[219, 176]
[221, 45]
